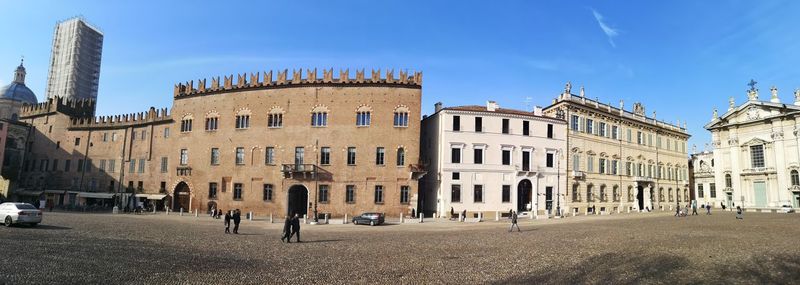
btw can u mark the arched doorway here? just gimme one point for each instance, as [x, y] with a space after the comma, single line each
[524, 195]
[640, 196]
[298, 200]
[181, 197]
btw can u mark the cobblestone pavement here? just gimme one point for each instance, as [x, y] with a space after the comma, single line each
[76, 248]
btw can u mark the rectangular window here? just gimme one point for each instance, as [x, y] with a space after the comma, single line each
[614, 132]
[351, 156]
[576, 162]
[549, 131]
[88, 166]
[77, 141]
[506, 193]
[589, 126]
[478, 124]
[712, 188]
[757, 155]
[526, 160]
[477, 194]
[166, 132]
[650, 139]
[614, 167]
[323, 194]
[401, 119]
[549, 159]
[55, 165]
[590, 164]
[267, 192]
[639, 138]
[275, 120]
[478, 155]
[212, 190]
[184, 156]
[141, 165]
[401, 156]
[131, 166]
[505, 126]
[455, 193]
[105, 137]
[325, 156]
[67, 165]
[112, 165]
[506, 157]
[133, 135]
[526, 128]
[700, 193]
[269, 156]
[378, 194]
[164, 164]
[350, 194]
[628, 168]
[80, 165]
[214, 156]
[455, 155]
[456, 123]
[629, 136]
[404, 194]
[102, 165]
[456, 175]
[239, 156]
[602, 129]
[380, 154]
[602, 165]
[237, 191]
[574, 123]
[243, 121]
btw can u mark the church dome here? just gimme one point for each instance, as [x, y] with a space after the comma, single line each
[17, 90]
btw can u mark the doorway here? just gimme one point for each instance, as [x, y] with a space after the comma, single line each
[760, 193]
[181, 197]
[298, 201]
[640, 196]
[524, 195]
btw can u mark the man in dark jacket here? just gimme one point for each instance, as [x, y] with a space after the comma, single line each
[237, 218]
[295, 227]
[287, 229]
[228, 222]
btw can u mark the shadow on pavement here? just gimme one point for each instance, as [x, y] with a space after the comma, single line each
[322, 240]
[50, 227]
[762, 269]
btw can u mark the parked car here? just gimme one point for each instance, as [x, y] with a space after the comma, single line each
[372, 219]
[787, 209]
[20, 213]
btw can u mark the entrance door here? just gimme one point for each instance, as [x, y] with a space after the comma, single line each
[298, 201]
[760, 193]
[796, 200]
[548, 198]
[728, 199]
[640, 196]
[181, 195]
[524, 195]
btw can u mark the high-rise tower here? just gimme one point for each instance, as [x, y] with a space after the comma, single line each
[75, 60]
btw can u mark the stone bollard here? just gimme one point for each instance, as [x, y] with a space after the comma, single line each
[305, 218]
[670, 208]
[421, 217]
[195, 213]
[345, 219]
[327, 216]
[460, 218]
[617, 210]
[496, 216]
[573, 213]
[270, 218]
[629, 210]
[586, 212]
[250, 216]
[402, 218]
[167, 211]
[181, 212]
[154, 210]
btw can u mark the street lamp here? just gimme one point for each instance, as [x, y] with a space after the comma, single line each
[558, 183]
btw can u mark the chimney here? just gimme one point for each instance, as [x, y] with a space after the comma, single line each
[491, 106]
[537, 111]
[437, 107]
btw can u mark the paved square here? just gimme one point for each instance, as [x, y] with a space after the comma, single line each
[626, 248]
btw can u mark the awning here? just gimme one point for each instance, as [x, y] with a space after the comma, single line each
[28, 193]
[55, 191]
[96, 195]
[151, 196]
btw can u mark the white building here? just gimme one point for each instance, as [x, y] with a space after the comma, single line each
[75, 60]
[703, 184]
[488, 159]
[756, 152]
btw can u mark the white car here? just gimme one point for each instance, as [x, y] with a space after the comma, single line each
[787, 209]
[20, 213]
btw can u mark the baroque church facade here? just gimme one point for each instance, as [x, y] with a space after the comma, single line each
[756, 153]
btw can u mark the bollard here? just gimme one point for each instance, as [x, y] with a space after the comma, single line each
[460, 218]
[629, 210]
[250, 216]
[402, 218]
[326, 218]
[181, 212]
[421, 217]
[345, 219]
[617, 210]
[586, 211]
[270, 218]
[496, 216]
[573, 213]
[167, 211]
[154, 210]
[305, 218]
[195, 213]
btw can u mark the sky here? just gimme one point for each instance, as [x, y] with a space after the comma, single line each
[680, 58]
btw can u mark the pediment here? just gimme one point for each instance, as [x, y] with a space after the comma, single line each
[754, 141]
[752, 111]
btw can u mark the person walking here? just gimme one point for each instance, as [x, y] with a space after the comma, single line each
[295, 227]
[708, 209]
[739, 213]
[514, 222]
[452, 213]
[287, 230]
[677, 210]
[464, 215]
[694, 209]
[237, 218]
[228, 222]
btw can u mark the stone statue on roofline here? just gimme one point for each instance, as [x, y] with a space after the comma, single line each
[568, 88]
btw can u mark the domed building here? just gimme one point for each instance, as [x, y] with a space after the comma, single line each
[13, 96]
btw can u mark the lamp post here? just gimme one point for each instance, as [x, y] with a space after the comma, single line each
[316, 181]
[558, 183]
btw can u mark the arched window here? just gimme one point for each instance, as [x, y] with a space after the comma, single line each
[275, 118]
[669, 193]
[319, 116]
[630, 193]
[363, 116]
[615, 193]
[243, 119]
[575, 196]
[728, 181]
[661, 194]
[602, 193]
[401, 116]
[186, 123]
[401, 156]
[589, 197]
[795, 178]
[212, 121]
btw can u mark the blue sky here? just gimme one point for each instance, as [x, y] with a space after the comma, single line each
[679, 58]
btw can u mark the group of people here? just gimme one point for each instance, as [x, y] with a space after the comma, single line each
[291, 227]
[234, 216]
[453, 215]
[683, 212]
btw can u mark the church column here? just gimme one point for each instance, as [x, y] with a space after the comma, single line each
[777, 190]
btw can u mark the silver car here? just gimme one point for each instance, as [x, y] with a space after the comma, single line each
[20, 213]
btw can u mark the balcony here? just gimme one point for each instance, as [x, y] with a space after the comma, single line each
[727, 189]
[758, 170]
[299, 171]
[795, 188]
[578, 174]
[184, 171]
[642, 179]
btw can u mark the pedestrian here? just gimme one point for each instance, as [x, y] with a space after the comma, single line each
[510, 213]
[677, 210]
[594, 210]
[708, 209]
[739, 213]
[295, 227]
[287, 230]
[723, 205]
[694, 209]
[464, 215]
[514, 222]
[237, 218]
[213, 212]
[413, 213]
[228, 222]
[452, 213]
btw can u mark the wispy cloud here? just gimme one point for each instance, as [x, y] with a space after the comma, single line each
[204, 61]
[609, 31]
